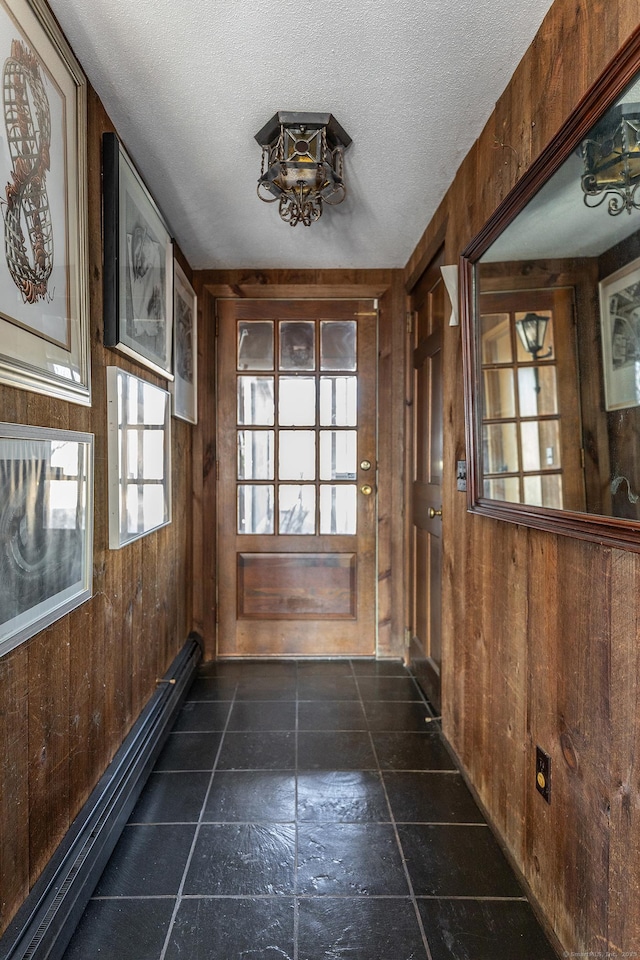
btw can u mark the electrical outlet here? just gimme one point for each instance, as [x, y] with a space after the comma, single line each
[543, 774]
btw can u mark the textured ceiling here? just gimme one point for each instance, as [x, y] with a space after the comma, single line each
[189, 84]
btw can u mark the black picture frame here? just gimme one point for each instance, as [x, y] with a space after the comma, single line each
[138, 265]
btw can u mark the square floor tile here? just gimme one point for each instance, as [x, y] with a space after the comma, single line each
[189, 751]
[349, 859]
[396, 716]
[327, 688]
[331, 715]
[171, 798]
[431, 798]
[231, 929]
[262, 715]
[197, 716]
[484, 930]
[266, 688]
[324, 669]
[345, 796]
[379, 668]
[258, 751]
[246, 795]
[365, 929]
[148, 861]
[216, 688]
[408, 750]
[244, 859]
[335, 751]
[122, 929]
[456, 861]
[388, 688]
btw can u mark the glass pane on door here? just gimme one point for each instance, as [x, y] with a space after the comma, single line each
[297, 455]
[297, 514]
[255, 508]
[297, 402]
[255, 345]
[338, 345]
[297, 345]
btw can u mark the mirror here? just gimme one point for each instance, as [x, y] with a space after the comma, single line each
[551, 307]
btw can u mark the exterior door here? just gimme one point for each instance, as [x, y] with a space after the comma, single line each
[297, 477]
[426, 491]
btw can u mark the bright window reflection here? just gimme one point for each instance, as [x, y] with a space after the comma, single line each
[255, 508]
[297, 509]
[297, 402]
[338, 401]
[338, 509]
[139, 457]
[297, 456]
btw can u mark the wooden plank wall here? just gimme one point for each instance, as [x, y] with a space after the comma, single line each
[69, 695]
[541, 633]
[386, 285]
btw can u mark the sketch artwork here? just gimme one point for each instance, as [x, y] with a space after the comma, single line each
[27, 119]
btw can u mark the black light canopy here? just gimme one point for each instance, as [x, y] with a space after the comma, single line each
[302, 164]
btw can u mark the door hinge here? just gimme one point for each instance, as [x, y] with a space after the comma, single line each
[407, 638]
[582, 457]
[410, 316]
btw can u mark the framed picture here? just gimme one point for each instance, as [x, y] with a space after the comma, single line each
[620, 330]
[44, 305]
[138, 265]
[46, 528]
[139, 457]
[185, 347]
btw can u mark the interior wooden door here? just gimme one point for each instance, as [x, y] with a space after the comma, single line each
[296, 477]
[426, 490]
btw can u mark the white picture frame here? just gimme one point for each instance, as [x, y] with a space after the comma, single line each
[44, 315]
[46, 528]
[620, 335]
[139, 457]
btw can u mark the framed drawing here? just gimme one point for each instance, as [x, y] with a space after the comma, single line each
[139, 457]
[620, 330]
[46, 528]
[44, 306]
[138, 265]
[185, 347]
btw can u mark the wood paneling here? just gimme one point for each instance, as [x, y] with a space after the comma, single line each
[70, 694]
[540, 631]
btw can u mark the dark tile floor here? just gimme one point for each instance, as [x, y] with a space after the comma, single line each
[307, 811]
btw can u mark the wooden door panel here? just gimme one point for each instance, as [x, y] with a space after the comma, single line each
[293, 588]
[297, 586]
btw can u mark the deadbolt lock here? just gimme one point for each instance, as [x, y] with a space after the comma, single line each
[365, 465]
[366, 489]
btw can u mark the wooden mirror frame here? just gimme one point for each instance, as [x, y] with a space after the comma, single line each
[611, 531]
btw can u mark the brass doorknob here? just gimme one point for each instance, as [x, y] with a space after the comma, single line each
[365, 465]
[366, 489]
[434, 513]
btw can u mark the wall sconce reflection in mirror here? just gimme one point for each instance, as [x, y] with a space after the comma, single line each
[551, 329]
[611, 155]
[532, 330]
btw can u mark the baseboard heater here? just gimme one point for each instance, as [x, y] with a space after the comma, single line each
[43, 926]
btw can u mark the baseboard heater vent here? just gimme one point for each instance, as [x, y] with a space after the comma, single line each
[43, 926]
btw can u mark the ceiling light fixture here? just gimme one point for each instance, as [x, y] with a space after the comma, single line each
[611, 155]
[302, 164]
